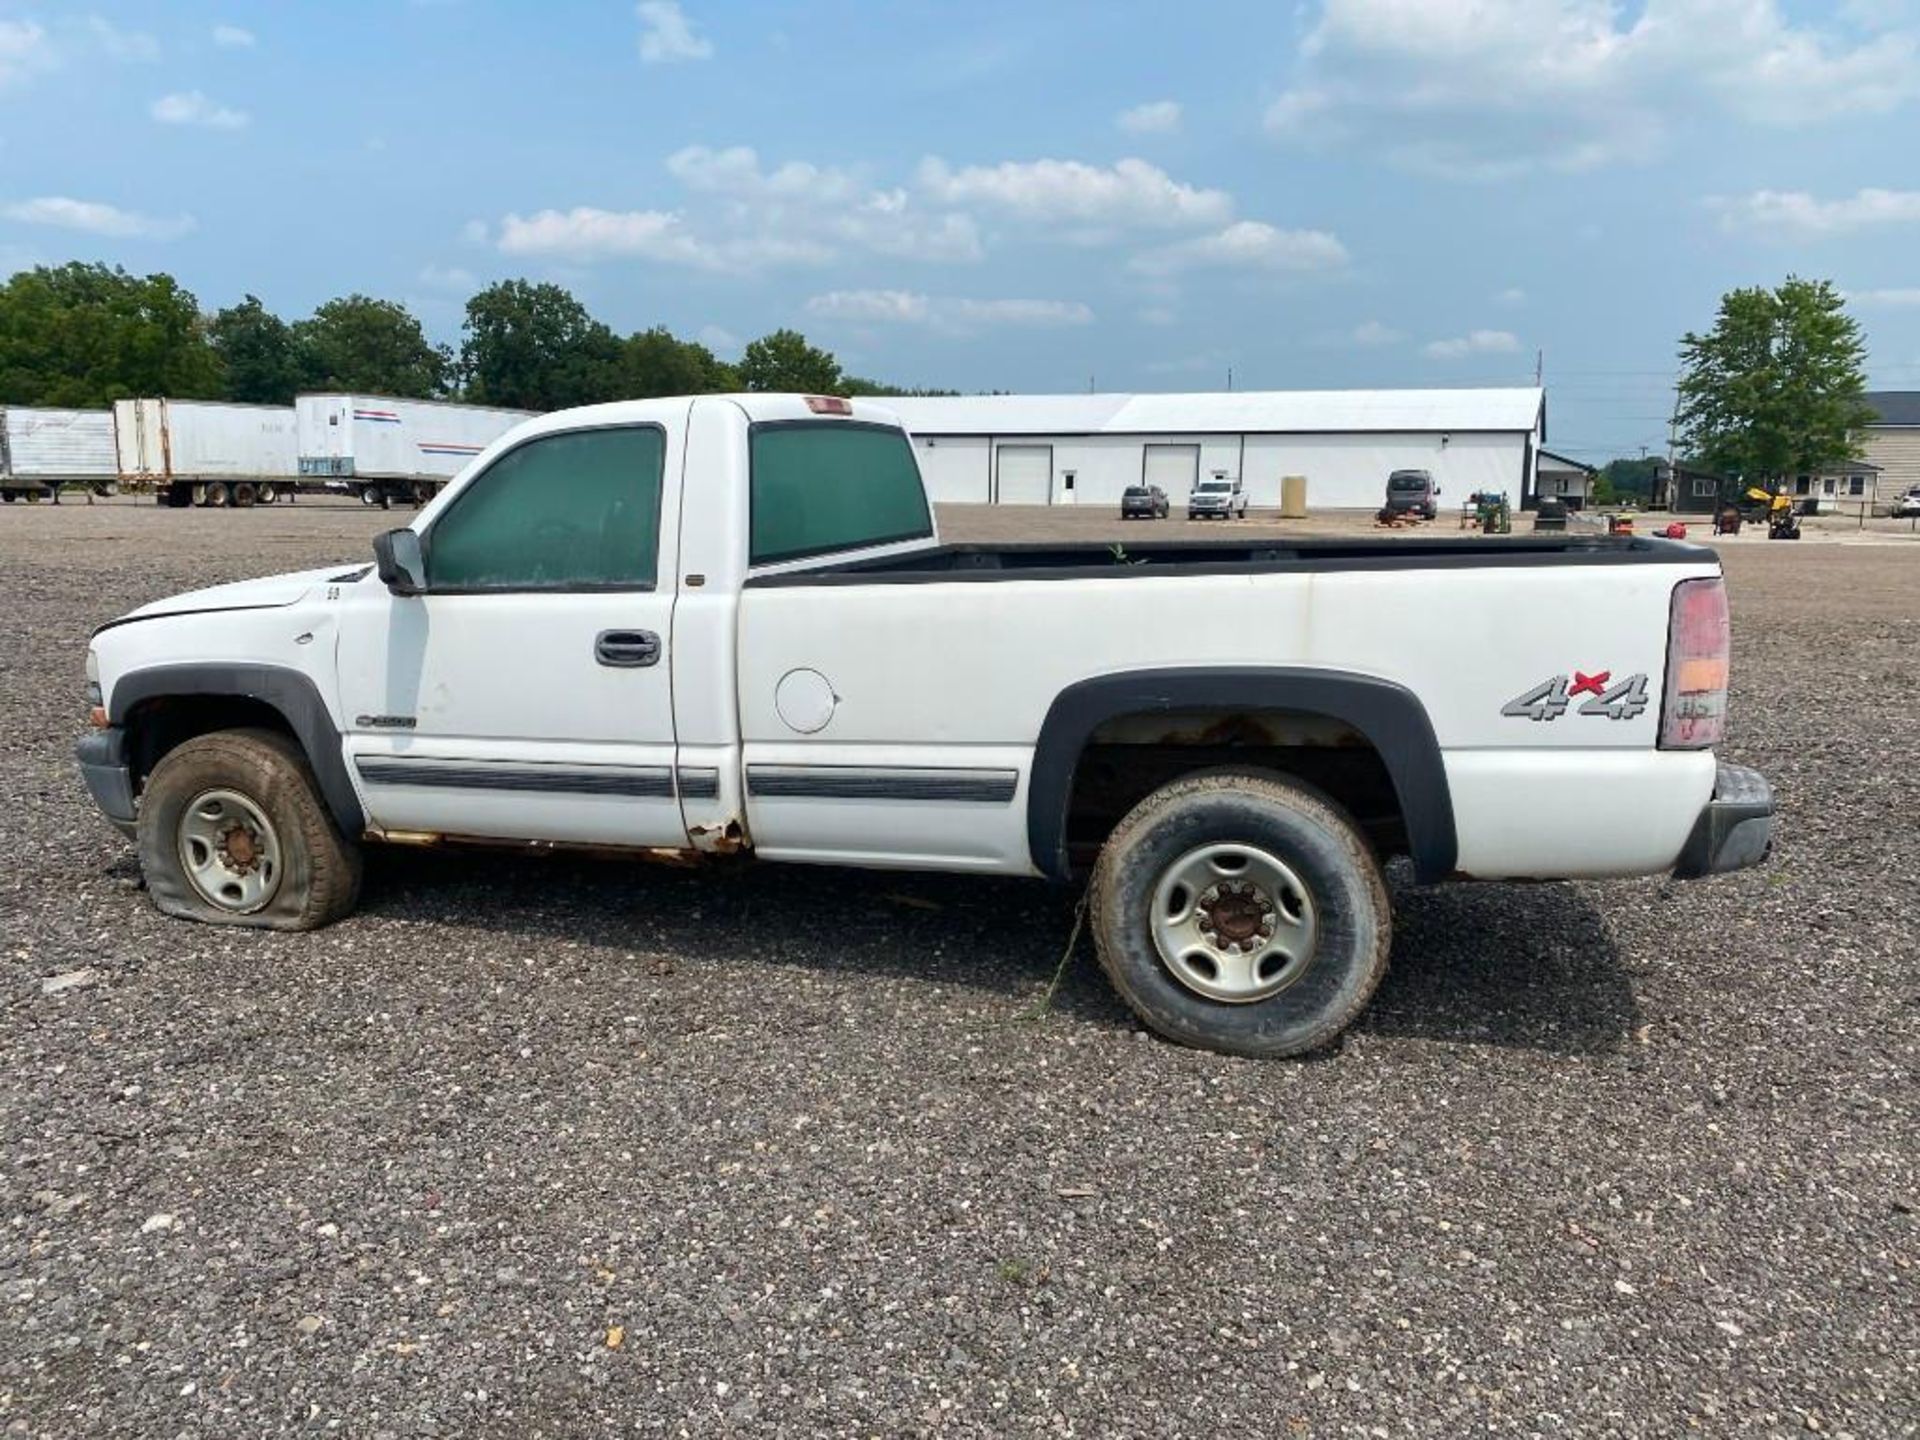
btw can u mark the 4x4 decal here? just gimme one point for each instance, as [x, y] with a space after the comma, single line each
[1550, 698]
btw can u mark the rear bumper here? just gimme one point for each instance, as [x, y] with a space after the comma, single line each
[103, 765]
[1735, 828]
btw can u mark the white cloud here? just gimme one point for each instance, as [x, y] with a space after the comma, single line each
[1897, 299]
[1129, 194]
[135, 45]
[233, 37]
[667, 36]
[23, 50]
[1156, 117]
[1511, 297]
[586, 233]
[828, 207]
[948, 313]
[190, 107]
[1373, 333]
[1477, 342]
[1491, 89]
[1247, 244]
[736, 171]
[95, 218]
[447, 277]
[1796, 215]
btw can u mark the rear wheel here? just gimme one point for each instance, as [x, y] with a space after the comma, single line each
[232, 831]
[244, 495]
[268, 493]
[1242, 913]
[217, 495]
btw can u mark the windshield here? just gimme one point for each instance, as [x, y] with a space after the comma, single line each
[1407, 482]
[1214, 487]
[1138, 490]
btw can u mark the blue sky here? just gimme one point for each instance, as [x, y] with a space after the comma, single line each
[1013, 196]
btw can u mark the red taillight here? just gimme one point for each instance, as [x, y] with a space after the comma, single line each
[829, 405]
[1693, 710]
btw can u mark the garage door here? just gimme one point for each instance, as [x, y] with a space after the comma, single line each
[1174, 468]
[1026, 475]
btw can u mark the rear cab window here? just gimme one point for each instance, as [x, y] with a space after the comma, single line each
[817, 487]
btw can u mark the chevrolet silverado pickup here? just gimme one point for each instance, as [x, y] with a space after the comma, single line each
[703, 628]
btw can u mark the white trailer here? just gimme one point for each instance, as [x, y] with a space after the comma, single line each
[207, 452]
[388, 448]
[42, 449]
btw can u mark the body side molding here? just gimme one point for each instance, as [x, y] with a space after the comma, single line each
[290, 692]
[1389, 715]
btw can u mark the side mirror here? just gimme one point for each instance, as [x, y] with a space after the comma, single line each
[401, 564]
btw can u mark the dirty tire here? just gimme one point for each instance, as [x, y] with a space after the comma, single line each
[1314, 838]
[319, 867]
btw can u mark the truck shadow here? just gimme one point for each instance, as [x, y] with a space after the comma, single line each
[1532, 967]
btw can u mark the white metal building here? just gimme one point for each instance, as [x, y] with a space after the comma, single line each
[1086, 449]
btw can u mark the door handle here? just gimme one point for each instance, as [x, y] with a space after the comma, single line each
[627, 649]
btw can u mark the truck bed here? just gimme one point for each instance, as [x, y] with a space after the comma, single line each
[1213, 557]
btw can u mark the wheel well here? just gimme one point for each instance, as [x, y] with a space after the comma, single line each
[1127, 757]
[166, 722]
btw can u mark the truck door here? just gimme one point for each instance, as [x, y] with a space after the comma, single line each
[527, 693]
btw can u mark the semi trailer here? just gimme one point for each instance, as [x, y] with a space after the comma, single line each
[43, 449]
[206, 452]
[390, 449]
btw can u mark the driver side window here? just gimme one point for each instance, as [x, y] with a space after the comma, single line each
[572, 511]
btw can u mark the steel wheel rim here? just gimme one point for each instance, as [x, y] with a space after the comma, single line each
[1233, 922]
[229, 851]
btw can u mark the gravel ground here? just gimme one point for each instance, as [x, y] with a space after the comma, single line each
[568, 1147]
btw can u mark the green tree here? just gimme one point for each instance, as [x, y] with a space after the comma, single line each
[372, 346]
[855, 385]
[1775, 387]
[87, 335]
[258, 351]
[785, 361]
[657, 362]
[1625, 480]
[534, 347]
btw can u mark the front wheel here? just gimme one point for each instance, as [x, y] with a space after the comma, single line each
[232, 831]
[1242, 913]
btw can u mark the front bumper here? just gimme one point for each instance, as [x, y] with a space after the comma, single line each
[1734, 830]
[103, 765]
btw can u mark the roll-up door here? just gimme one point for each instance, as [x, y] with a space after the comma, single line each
[1025, 475]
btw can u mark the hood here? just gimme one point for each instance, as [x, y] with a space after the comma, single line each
[269, 592]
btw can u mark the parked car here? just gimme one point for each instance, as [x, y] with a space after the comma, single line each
[1412, 490]
[650, 626]
[1143, 502]
[1908, 505]
[1217, 499]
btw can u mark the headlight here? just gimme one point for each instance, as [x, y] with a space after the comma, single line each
[94, 700]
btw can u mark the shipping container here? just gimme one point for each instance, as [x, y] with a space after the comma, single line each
[389, 448]
[207, 452]
[42, 449]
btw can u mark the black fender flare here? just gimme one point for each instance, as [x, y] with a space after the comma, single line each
[1389, 715]
[290, 692]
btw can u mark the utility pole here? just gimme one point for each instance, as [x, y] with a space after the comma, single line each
[1539, 367]
[1229, 378]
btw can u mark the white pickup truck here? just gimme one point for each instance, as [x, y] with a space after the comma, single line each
[706, 627]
